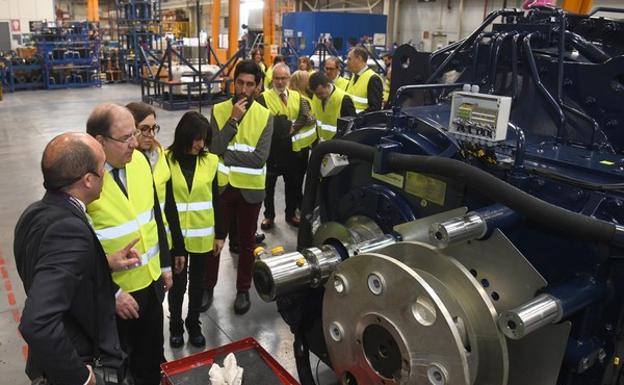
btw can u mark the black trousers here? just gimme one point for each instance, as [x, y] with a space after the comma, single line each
[194, 269]
[293, 171]
[142, 338]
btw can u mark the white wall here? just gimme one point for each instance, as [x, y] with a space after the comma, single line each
[26, 11]
[415, 18]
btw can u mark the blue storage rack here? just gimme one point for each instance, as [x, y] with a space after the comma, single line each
[139, 27]
[70, 55]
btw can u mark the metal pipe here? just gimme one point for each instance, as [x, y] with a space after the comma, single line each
[397, 100]
[498, 44]
[542, 310]
[514, 66]
[520, 145]
[491, 17]
[470, 226]
[586, 48]
[528, 52]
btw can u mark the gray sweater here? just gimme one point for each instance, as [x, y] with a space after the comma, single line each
[255, 159]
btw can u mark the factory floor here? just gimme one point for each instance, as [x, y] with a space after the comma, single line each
[28, 120]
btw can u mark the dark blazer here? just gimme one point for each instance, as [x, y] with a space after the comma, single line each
[68, 286]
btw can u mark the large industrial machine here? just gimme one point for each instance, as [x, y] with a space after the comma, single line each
[474, 234]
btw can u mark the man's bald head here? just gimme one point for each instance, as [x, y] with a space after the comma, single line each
[67, 158]
[103, 118]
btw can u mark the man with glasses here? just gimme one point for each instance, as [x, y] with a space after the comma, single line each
[127, 209]
[69, 315]
[294, 134]
[332, 70]
[241, 137]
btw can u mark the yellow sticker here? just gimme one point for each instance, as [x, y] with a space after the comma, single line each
[607, 162]
[300, 262]
[425, 187]
[391, 178]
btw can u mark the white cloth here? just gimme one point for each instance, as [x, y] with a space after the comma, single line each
[230, 374]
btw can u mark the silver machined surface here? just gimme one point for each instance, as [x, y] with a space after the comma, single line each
[540, 311]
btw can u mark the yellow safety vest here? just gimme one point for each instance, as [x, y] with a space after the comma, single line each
[250, 130]
[327, 118]
[262, 67]
[195, 207]
[268, 78]
[386, 89]
[359, 91]
[341, 83]
[118, 219]
[307, 134]
[162, 174]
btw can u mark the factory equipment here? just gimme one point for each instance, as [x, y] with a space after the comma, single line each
[474, 233]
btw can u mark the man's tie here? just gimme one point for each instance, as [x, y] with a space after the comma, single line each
[119, 182]
[355, 78]
[284, 98]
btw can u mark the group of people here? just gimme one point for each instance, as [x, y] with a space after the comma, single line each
[124, 220]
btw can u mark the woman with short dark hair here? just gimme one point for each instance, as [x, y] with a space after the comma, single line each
[195, 189]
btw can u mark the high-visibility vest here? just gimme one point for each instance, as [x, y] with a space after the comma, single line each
[162, 174]
[249, 131]
[327, 117]
[307, 134]
[268, 78]
[341, 83]
[195, 207]
[262, 67]
[118, 219]
[359, 91]
[386, 89]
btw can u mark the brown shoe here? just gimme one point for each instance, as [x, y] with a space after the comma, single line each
[267, 223]
[294, 220]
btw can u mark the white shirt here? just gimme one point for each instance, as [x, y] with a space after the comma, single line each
[122, 173]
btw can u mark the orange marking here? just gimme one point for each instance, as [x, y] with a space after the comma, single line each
[16, 315]
[1, 259]
[11, 297]
[7, 285]
[25, 351]
[5, 274]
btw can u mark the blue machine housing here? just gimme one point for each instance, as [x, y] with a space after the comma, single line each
[303, 29]
[565, 74]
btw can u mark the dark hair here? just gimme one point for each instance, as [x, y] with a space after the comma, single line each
[307, 61]
[100, 120]
[360, 52]
[388, 55]
[318, 79]
[249, 67]
[279, 59]
[140, 111]
[255, 51]
[335, 60]
[192, 126]
[75, 159]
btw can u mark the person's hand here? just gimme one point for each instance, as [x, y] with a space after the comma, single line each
[178, 264]
[92, 380]
[126, 306]
[239, 109]
[124, 258]
[168, 280]
[218, 246]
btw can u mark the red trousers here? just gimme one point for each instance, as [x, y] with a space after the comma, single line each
[233, 204]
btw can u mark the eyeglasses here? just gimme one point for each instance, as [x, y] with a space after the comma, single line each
[147, 130]
[331, 68]
[281, 78]
[125, 139]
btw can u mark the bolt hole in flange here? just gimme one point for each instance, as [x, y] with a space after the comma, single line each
[436, 376]
[375, 284]
[424, 311]
[382, 352]
[348, 379]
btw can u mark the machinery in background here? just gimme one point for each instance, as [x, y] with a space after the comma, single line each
[473, 234]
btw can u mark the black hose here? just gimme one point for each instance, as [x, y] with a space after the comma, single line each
[542, 212]
[497, 190]
[302, 359]
[337, 146]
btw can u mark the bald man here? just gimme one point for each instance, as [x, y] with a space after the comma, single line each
[128, 209]
[69, 315]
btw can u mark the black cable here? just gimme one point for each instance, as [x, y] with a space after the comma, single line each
[617, 187]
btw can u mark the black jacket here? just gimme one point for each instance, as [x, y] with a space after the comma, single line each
[68, 287]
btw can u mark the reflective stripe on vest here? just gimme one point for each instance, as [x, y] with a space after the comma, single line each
[118, 219]
[359, 90]
[195, 207]
[250, 129]
[241, 147]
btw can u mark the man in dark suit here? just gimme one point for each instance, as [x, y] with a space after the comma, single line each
[69, 315]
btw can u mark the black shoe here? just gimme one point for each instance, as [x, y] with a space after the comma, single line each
[260, 237]
[206, 300]
[266, 224]
[196, 338]
[176, 340]
[242, 303]
[234, 249]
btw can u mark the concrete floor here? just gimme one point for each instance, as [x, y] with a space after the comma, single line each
[28, 120]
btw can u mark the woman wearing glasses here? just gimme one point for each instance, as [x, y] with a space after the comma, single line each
[193, 177]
